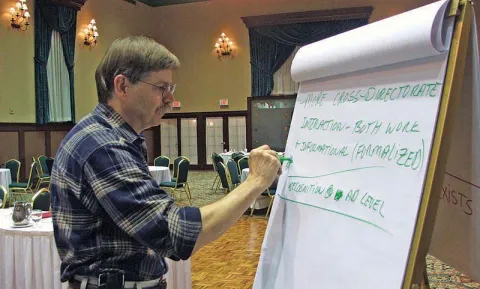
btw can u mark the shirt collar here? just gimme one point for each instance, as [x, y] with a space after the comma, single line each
[117, 122]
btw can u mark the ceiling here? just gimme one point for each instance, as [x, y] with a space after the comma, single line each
[157, 3]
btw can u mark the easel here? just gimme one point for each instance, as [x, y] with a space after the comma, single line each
[416, 274]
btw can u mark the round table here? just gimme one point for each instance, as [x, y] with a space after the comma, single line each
[29, 258]
[5, 178]
[160, 174]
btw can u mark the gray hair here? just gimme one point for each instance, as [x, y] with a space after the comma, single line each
[134, 57]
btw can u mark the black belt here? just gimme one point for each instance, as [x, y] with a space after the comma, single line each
[93, 283]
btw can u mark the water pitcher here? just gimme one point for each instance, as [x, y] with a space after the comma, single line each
[21, 213]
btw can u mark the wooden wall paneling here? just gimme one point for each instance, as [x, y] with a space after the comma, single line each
[34, 146]
[157, 142]
[56, 138]
[226, 139]
[149, 138]
[201, 141]
[8, 146]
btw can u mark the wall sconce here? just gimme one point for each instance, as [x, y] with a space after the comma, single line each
[20, 15]
[91, 34]
[224, 47]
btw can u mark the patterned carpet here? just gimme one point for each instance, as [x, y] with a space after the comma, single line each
[440, 275]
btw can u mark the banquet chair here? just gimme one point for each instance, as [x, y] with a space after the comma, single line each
[175, 166]
[161, 161]
[268, 192]
[22, 189]
[233, 172]
[3, 196]
[224, 177]
[49, 163]
[41, 200]
[242, 164]
[181, 182]
[14, 166]
[216, 158]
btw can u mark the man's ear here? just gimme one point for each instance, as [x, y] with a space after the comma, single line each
[120, 86]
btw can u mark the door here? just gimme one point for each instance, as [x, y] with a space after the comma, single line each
[214, 137]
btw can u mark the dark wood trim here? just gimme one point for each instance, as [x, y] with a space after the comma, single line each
[201, 141]
[5, 126]
[225, 133]
[48, 143]
[77, 4]
[21, 152]
[206, 114]
[249, 123]
[157, 142]
[179, 136]
[308, 16]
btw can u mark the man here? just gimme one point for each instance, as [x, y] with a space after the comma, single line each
[112, 222]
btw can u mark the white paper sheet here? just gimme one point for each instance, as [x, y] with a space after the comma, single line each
[345, 210]
[411, 35]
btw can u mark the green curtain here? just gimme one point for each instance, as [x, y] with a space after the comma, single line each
[270, 46]
[62, 19]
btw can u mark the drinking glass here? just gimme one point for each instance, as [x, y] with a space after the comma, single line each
[36, 216]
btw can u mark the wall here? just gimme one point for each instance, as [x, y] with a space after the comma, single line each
[17, 78]
[188, 30]
[194, 28]
[115, 18]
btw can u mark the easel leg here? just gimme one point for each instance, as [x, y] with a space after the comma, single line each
[425, 283]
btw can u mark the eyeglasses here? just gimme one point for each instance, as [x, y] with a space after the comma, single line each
[169, 88]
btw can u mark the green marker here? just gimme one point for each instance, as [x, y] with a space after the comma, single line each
[282, 159]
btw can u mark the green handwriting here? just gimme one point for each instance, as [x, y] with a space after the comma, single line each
[324, 149]
[374, 94]
[403, 126]
[311, 123]
[336, 212]
[368, 200]
[371, 127]
[402, 156]
[314, 99]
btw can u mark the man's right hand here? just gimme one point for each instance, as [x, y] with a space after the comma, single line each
[264, 166]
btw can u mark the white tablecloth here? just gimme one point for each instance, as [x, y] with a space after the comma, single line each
[262, 201]
[29, 258]
[226, 156]
[5, 178]
[160, 174]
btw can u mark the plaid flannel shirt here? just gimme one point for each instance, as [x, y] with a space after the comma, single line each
[108, 211]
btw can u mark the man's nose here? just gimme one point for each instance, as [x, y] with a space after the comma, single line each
[168, 97]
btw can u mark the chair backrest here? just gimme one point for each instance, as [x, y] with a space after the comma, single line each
[222, 173]
[238, 157]
[183, 167]
[42, 160]
[49, 162]
[33, 175]
[41, 200]
[175, 166]
[233, 170]
[14, 167]
[216, 158]
[236, 154]
[161, 161]
[242, 164]
[3, 196]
